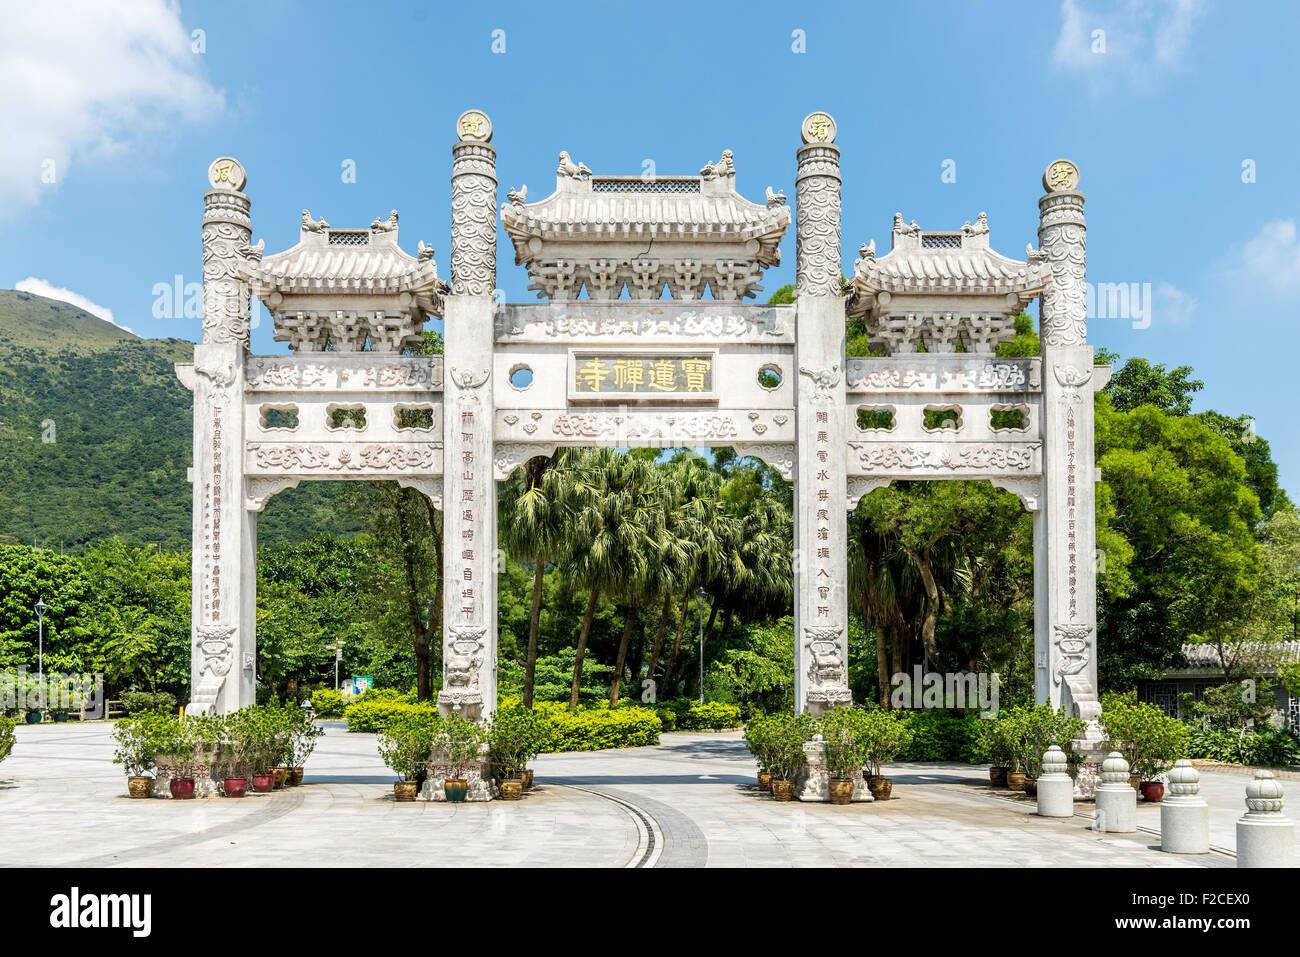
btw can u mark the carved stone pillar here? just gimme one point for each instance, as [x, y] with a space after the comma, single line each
[227, 230]
[1065, 608]
[820, 529]
[469, 500]
[223, 662]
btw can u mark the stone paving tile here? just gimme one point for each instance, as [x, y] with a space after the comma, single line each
[62, 801]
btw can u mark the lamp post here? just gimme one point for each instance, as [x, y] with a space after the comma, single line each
[701, 595]
[39, 608]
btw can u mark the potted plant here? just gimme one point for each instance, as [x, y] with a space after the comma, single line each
[302, 742]
[1151, 741]
[7, 735]
[512, 735]
[259, 746]
[785, 755]
[993, 736]
[757, 730]
[136, 741]
[405, 745]
[845, 743]
[177, 740]
[460, 740]
[884, 736]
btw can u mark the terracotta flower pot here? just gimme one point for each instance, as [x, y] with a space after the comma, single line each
[841, 790]
[281, 776]
[998, 775]
[764, 781]
[511, 788]
[528, 779]
[1152, 791]
[404, 790]
[880, 786]
[263, 783]
[1016, 780]
[455, 789]
[139, 787]
[234, 787]
[182, 788]
[1031, 787]
[295, 777]
[782, 790]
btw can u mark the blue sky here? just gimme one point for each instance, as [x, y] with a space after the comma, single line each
[1160, 111]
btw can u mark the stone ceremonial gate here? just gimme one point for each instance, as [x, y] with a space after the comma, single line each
[520, 380]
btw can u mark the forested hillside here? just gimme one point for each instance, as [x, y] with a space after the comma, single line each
[95, 436]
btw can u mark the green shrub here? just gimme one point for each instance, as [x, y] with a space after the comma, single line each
[1149, 739]
[136, 702]
[599, 729]
[941, 736]
[1265, 747]
[711, 716]
[6, 736]
[368, 715]
[327, 703]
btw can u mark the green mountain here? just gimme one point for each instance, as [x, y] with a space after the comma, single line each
[95, 437]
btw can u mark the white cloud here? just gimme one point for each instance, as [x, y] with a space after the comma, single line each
[1171, 305]
[39, 287]
[86, 80]
[1270, 261]
[1134, 40]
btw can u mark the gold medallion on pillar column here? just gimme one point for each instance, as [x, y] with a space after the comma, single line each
[474, 125]
[1061, 176]
[226, 172]
[818, 128]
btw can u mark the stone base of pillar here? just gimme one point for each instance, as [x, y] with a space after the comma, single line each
[1184, 825]
[207, 774]
[1265, 840]
[1055, 795]
[1093, 747]
[478, 775]
[1116, 809]
[813, 782]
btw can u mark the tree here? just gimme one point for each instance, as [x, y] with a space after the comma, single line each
[617, 520]
[534, 521]
[1139, 383]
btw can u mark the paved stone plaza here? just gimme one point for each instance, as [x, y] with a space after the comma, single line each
[691, 801]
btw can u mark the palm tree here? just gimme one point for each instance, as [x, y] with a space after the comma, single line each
[617, 517]
[534, 525]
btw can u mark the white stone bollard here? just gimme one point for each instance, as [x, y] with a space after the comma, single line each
[1265, 837]
[1116, 799]
[1055, 787]
[1184, 815]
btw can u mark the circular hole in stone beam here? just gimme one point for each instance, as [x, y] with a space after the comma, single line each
[769, 376]
[521, 377]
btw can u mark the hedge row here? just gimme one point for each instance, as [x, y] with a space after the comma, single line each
[683, 714]
[594, 729]
[1266, 747]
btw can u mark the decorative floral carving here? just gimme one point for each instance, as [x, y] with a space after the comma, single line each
[1073, 380]
[379, 457]
[1019, 457]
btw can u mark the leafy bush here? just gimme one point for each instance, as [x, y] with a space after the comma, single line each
[515, 736]
[848, 738]
[941, 736]
[142, 737]
[1149, 739]
[784, 736]
[883, 736]
[405, 744]
[374, 716]
[712, 716]
[327, 703]
[7, 736]
[1264, 747]
[137, 701]
[598, 729]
